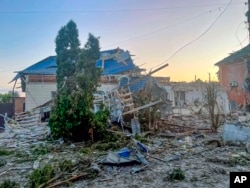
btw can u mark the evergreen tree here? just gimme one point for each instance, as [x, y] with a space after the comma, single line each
[67, 50]
[87, 78]
[87, 74]
[72, 115]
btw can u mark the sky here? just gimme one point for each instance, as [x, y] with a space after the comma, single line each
[189, 35]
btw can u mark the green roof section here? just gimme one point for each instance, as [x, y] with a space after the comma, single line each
[244, 52]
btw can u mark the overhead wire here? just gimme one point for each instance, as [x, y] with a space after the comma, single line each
[236, 32]
[162, 28]
[112, 10]
[197, 38]
[152, 32]
[149, 33]
[242, 41]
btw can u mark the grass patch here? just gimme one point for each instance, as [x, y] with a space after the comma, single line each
[39, 150]
[177, 174]
[9, 184]
[2, 163]
[41, 175]
[6, 152]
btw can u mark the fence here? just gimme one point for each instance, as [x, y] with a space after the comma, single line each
[5, 108]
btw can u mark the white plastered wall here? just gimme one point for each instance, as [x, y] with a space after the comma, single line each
[38, 94]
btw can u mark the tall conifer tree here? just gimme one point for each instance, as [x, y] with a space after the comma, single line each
[67, 51]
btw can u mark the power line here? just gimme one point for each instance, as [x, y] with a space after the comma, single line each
[236, 34]
[242, 41]
[197, 38]
[163, 28]
[110, 10]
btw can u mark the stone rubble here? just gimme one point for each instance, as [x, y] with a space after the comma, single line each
[204, 157]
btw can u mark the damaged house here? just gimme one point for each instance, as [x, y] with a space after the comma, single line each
[189, 97]
[120, 80]
[234, 77]
[39, 80]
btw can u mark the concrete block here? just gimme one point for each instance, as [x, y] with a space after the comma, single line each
[234, 132]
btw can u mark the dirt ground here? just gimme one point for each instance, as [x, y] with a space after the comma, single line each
[203, 157]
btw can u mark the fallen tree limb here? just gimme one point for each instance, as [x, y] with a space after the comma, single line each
[67, 180]
[14, 168]
[50, 181]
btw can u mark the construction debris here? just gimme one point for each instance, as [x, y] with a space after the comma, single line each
[147, 160]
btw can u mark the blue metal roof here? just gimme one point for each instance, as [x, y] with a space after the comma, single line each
[46, 66]
[113, 61]
[136, 84]
[112, 66]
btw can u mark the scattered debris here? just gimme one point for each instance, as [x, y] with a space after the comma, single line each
[173, 156]
[114, 158]
[236, 132]
[248, 147]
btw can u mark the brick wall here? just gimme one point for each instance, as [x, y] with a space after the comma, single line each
[234, 72]
[19, 104]
[42, 78]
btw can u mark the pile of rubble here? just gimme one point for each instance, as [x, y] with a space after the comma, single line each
[190, 157]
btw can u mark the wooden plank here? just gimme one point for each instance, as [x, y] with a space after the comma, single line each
[128, 99]
[27, 117]
[29, 124]
[142, 107]
[125, 95]
[28, 121]
[28, 114]
[129, 105]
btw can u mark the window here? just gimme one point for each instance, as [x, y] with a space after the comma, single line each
[179, 98]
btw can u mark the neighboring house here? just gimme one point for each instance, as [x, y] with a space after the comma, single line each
[189, 97]
[39, 80]
[234, 77]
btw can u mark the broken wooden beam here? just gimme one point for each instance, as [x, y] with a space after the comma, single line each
[142, 107]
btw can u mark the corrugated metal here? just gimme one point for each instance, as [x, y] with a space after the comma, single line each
[43, 65]
[236, 56]
[116, 61]
[46, 66]
[48, 71]
[136, 84]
